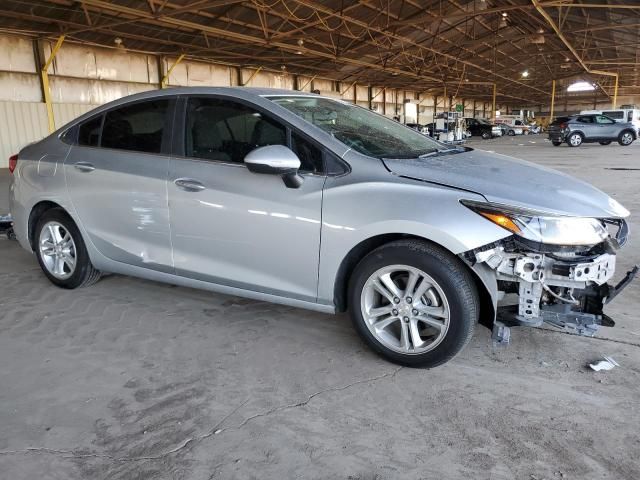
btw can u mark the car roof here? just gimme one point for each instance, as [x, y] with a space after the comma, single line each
[246, 93]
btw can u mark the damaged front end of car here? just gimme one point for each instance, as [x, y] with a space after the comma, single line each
[554, 269]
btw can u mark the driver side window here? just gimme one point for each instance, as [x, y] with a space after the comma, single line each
[227, 131]
[604, 120]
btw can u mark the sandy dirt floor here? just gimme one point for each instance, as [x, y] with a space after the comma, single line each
[131, 379]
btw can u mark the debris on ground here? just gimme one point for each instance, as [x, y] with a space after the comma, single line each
[607, 363]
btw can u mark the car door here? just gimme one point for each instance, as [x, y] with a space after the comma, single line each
[116, 174]
[587, 126]
[607, 128]
[234, 227]
[474, 127]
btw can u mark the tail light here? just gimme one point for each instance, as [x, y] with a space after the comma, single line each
[563, 125]
[13, 162]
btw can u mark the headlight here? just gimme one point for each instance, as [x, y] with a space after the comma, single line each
[542, 227]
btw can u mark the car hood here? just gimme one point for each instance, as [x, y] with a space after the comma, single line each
[510, 181]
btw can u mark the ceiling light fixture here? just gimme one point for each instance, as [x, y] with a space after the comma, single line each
[525, 74]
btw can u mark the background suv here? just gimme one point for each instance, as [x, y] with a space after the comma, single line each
[578, 129]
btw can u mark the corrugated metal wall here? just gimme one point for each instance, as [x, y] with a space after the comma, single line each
[21, 123]
[25, 122]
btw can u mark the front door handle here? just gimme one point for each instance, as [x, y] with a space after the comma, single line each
[84, 166]
[189, 184]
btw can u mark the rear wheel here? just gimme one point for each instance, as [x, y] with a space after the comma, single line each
[61, 252]
[413, 303]
[625, 138]
[486, 135]
[574, 140]
[511, 133]
[605, 143]
[556, 144]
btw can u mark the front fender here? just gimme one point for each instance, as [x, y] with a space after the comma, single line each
[352, 213]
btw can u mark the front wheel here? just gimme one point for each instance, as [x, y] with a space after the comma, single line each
[511, 133]
[414, 303]
[574, 140]
[605, 143]
[486, 135]
[625, 138]
[61, 252]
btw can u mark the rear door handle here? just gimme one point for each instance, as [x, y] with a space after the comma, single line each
[189, 184]
[84, 166]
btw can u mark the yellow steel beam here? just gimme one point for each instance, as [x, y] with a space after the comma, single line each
[46, 89]
[255, 72]
[615, 95]
[562, 38]
[305, 85]
[379, 92]
[165, 79]
[553, 99]
[347, 89]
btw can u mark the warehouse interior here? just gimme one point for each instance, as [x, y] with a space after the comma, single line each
[136, 379]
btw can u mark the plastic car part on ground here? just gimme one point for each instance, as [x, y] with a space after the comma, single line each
[607, 363]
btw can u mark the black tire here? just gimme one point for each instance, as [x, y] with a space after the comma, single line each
[511, 133]
[84, 273]
[452, 276]
[578, 138]
[608, 142]
[486, 135]
[626, 138]
[556, 144]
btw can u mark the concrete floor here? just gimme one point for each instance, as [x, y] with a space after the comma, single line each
[131, 379]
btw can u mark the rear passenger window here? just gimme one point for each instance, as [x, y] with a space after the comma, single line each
[138, 127]
[585, 119]
[89, 132]
[227, 131]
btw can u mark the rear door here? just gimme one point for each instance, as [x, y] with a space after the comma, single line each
[585, 123]
[116, 177]
[234, 227]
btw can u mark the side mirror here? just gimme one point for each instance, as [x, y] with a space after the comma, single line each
[275, 160]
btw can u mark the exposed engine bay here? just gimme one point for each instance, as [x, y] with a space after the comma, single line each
[565, 286]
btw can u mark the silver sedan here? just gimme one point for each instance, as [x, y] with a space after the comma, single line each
[313, 202]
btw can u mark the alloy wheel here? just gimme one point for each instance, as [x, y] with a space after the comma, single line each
[626, 138]
[405, 309]
[575, 140]
[57, 250]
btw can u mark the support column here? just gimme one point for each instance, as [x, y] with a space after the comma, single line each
[435, 107]
[493, 108]
[553, 100]
[165, 79]
[615, 95]
[44, 80]
[256, 71]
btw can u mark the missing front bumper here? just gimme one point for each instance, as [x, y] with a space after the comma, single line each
[566, 292]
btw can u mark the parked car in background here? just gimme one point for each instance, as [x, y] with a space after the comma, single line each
[480, 127]
[510, 130]
[589, 128]
[233, 189]
[418, 127]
